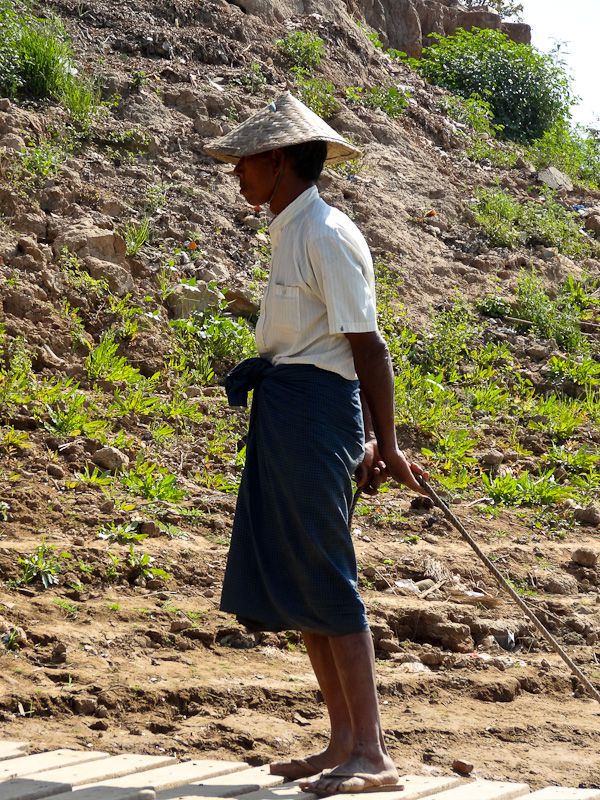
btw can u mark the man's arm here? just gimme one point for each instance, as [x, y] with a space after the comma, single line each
[374, 369]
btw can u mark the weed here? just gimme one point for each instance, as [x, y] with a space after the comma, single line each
[572, 150]
[10, 640]
[121, 533]
[103, 363]
[451, 449]
[494, 306]
[95, 476]
[113, 606]
[148, 480]
[582, 371]
[254, 80]
[70, 417]
[302, 49]
[41, 565]
[12, 440]
[391, 101]
[525, 490]
[136, 235]
[70, 609]
[551, 319]
[4, 509]
[140, 566]
[16, 374]
[451, 332]
[558, 416]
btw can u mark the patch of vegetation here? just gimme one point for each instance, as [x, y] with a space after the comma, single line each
[302, 49]
[136, 235]
[527, 90]
[151, 481]
[392, 101]
[526, 489]
[37, 61]
[79, 278]
[316, 93]
[508, 222]
[552, 319]
[121, 533]
[573, 150]
[476, 120]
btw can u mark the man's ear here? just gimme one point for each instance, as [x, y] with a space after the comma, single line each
[277, 159]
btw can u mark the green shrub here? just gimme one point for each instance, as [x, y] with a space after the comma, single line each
[477, 116]
[526, 489]
[527, 90]
[302, 49]
[506, 8]
[392, 101]
[316, 93]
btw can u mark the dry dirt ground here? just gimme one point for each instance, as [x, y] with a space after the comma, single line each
[126, 664]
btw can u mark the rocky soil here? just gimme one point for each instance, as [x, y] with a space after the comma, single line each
[114, 657]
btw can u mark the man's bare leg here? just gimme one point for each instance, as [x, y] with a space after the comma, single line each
[368, 764]
[340, 743]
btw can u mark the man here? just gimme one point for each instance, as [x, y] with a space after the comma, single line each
[291, 564]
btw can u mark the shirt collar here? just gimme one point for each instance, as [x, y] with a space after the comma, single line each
[295, 207]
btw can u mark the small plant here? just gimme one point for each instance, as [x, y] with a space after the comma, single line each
[451, 332]
[121, 533]
[494, 306]
[136, 235]
[551, 319]
[12, 440]
[302, 49]
[140, 566]
[149, 480]
[10, 640]
[103, 363]
[70, 609]
[254, 80]
[316, 93]
[582, 371]
[4, 509]
[41, 565]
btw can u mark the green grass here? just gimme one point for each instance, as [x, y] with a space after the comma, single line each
[302, 49]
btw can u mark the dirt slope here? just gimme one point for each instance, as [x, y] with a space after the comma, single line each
[114, 657]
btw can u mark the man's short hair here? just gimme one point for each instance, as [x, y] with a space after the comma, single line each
[307, 159]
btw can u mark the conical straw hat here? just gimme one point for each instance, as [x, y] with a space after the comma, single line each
[283, 122]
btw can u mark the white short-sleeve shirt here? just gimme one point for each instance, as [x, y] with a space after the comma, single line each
[321, 287]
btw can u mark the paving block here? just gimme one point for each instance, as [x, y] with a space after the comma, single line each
[483, 790]
[232, 785]
[12, 749]
[106, 793]
[25, 765]
[560, 793]
[25, 789]
[177, 775]
[415, 786]
[104, 769]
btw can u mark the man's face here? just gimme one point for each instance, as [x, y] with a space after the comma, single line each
[257, 175]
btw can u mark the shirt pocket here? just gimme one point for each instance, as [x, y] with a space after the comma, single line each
[284, 310]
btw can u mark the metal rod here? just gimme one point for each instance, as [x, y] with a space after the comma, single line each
[504, 584]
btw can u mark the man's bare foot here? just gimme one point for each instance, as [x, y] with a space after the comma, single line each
[356, 775]
[297, 768]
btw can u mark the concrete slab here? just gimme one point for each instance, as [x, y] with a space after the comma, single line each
[25, 765]
[104, 769]
[107, 793]
[232, 785]
[12, 749]
[560, 793]
[483, 790]
[25, 789]
[178, 775]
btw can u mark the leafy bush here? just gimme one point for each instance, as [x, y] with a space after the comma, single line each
[506, 8]
[527, 90]
[316, 93]
[477, 117]
[526, 489]
[302, 49]
[392, 101]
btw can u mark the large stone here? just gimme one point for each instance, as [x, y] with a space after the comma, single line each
[592, 223]
[561, 583]
[184, 299]
[555, 179]
[110, 458]
[119, 278]
[590, 515]
[87, 240]
[585, 557]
